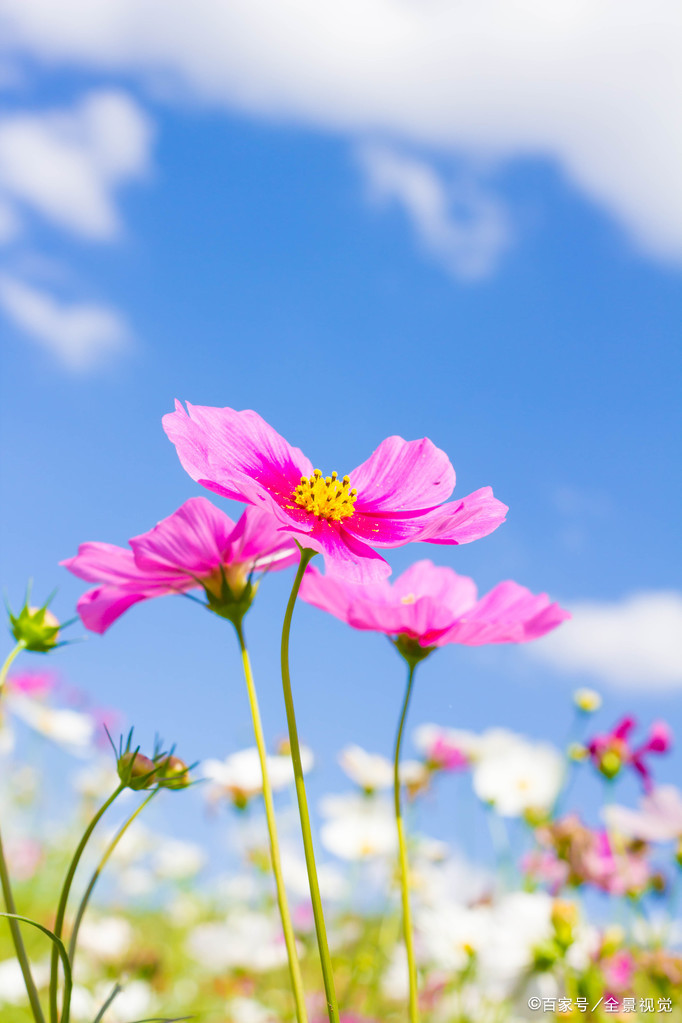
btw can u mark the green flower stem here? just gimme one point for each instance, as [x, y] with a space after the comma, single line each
[15, 930]
[98, 870]
[8, 663]
[19, 947]
[402, 848]
[61, 908]
[320, 929]
[287, 927]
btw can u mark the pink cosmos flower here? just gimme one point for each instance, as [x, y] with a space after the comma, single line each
[659, 818]
[37, 684]
[198, 545]
[434, 606]
[611, 751]
[618, 970]
[393, 498]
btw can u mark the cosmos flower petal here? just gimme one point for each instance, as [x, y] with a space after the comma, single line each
[258, 531]
[99, 608]
[236, 454]
[190, 541]
[190, 548]
[403, 476]
[436, 606]
[104, 563]
[455, 592]
[346, 556]
[509, 613]
[475, 516]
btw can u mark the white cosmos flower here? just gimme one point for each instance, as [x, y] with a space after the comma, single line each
[332, 882]
[374, 772]
[133, 1002]
[358, 827]
[516, 776]
[370, 771]
[501, 937]
[175, 860]
[70, 729]
[83, 1004]
[12, 987]
[248, 1010]
[252, 941]
[98, 780]
[239, 775]
[520, 922]
[106, 938]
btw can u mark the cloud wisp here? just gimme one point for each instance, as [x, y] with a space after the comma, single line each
[81, 335]
[464, 228]
[635, 643]
[66, 167]
[593, 86]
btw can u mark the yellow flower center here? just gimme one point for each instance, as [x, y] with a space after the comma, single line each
[326, 497]
[409, 599]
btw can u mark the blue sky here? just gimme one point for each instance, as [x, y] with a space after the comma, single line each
[347, 284]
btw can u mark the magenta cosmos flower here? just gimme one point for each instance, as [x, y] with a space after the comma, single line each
[611, 751]
[393, 498]
[198, 545]
[432, 606]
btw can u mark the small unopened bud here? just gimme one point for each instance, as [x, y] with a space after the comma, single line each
[173, 773]
[610, 763]
[136, 770]
[36, 628]
[564, 920]
[577, 752]
[612, 939]
[587, 700]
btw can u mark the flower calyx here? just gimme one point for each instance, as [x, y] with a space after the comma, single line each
[411, 649]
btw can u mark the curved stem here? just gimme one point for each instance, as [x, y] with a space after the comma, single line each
[61, 908]
[320, 929]
[402, 848]
[98, 870]
[15, 930]
[8, 662]
[287, 927]
[18, 941]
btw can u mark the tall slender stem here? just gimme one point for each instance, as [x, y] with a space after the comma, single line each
[98, 870]
[15, 929]
[402, 848]
[19, 947]
[61, 908]
[320, 929]
[287, 927]
[8, 661]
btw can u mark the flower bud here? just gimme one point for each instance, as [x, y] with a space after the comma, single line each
[564, 920]
[587, 700]
[36, 628]
[577, 752]
[610, 763]
[612, 939]
[173, 773]
[136, 770]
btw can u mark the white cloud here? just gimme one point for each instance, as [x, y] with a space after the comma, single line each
[67, 164]
[80, 335]
[455, 221]
[635, 643]
[593, 85]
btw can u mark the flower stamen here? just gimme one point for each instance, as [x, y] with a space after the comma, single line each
[326, 497]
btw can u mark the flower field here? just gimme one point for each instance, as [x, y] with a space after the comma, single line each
[350, 908]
